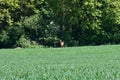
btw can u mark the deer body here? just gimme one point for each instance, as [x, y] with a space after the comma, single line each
[62, 44]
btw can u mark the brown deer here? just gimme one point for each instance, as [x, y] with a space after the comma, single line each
[61, 43]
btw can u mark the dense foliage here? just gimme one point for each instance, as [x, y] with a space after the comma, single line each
[46, 22]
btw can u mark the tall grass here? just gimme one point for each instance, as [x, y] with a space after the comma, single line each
[73, 63]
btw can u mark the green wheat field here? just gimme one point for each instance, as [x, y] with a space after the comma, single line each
[71, 63]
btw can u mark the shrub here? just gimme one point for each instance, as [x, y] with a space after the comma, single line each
[50, 41]
[4, 38]
[25, 42]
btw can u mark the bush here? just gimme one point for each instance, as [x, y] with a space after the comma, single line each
[14, 33]
[24, 42]
[4, 39]
[50, 41]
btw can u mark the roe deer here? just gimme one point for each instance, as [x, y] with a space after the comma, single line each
[61, 43]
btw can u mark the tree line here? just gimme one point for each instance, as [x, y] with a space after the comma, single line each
[31, 23]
